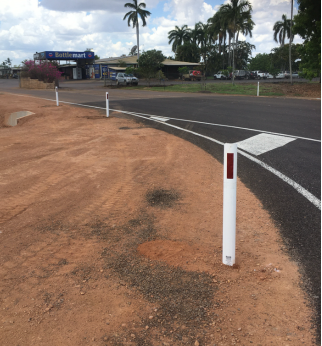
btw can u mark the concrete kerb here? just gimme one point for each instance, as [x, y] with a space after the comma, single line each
[12, 120]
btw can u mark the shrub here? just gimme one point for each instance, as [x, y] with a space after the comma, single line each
[45, 71]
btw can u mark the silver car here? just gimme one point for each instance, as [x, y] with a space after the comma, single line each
[281, 75]
[124, 78]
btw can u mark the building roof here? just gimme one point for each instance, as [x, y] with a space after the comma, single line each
[116, 68]
[169, 62]
[132, 60]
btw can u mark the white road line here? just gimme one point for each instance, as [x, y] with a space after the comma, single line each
[160, 118]
[301, 190]
[236, 127]
[289, 181]
[263, 143]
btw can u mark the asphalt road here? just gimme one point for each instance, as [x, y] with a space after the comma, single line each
[298, 219]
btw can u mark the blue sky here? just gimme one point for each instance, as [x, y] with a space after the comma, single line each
[27, 26]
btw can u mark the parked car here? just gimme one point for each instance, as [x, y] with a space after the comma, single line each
[270, 75]
[261, 75]
[280, 75]
[219, 75]
[240, 74]
[124, 78]
[251, 75]
[192, 75]
[15, 76]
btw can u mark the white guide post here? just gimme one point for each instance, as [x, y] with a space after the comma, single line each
[258, 89]
[107, 107]
[57, 100]
[229, 205]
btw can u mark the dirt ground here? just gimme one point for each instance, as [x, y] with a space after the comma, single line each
[307, 90]
[111, 234]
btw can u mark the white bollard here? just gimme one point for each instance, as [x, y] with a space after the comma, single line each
[229, 205]
[107, 107]
[258, 89]
[57, 101]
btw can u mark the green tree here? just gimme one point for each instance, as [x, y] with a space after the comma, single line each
[261, 62]
[130, 70]
[150, 62]
[183, 70]
[220, 29]
[179, 36]
[280, 56]
[237, 13]
[307, 24]
[243, 54]
[7, 62]
[281, 30]
[122, 63]
[133, 17]
[188, 52]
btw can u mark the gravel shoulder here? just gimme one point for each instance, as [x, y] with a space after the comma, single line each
[111, 234]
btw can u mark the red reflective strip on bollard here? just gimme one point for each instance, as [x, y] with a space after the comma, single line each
[230, 166]
[106, 96]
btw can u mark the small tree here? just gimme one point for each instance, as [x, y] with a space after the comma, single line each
[160, 76]
[183, 70]
[149, 62]
[130, 70]
[188, 52]
[45, 71]
[225, 73]
[122, 63]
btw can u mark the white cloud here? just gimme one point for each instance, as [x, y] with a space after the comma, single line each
[265, 14]
[26, 27]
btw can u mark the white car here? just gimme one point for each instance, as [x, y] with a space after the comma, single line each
[219, 75]
[281, 75]
[260, 74]
[124, 78]
[269, 75]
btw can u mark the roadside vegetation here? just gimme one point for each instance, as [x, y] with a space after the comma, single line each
[218, 88]
[281, 89]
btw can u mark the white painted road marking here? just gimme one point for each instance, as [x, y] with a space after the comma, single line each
[308, 195]
[315, 201]
[263, 142]
[159, 118]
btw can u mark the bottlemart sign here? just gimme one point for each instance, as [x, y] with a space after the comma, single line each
[58, 55]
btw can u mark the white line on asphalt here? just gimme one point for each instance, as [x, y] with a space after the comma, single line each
[191, 121]
[263, 143]
[315, 201]
[289, 181]
[235, 127]
[160, 118]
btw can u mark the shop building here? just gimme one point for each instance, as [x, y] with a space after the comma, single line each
[110, 66]
[82, 65]
[75, 66]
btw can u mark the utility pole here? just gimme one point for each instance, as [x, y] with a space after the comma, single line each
[290, 47]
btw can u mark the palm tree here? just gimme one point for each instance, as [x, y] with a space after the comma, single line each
[179, 36]
[282, 29]
[133, 17]
[236, 12]
[215, 29]
[220, 27]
